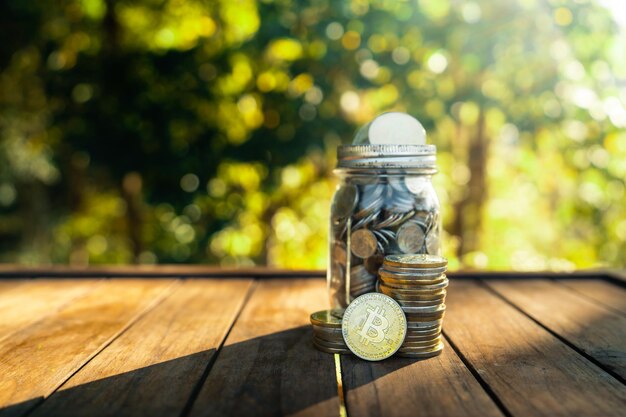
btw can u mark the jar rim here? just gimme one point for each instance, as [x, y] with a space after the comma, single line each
[412, 157]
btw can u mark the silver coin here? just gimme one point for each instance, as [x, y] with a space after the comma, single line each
[416, 184]
[433, 247]
[413, 334]
[426, 310]
[410, 238]
[422, 272]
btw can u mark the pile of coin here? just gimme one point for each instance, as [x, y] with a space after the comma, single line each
[327, 335]
[418, 283]
[372, 218]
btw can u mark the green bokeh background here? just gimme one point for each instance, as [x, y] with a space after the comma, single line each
[185, 131]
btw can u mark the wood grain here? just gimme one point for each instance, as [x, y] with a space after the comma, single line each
[588, 325]
[531, 371]
[31, 300]
[153, 367]
[268, 365]
[440, 386]
[600, 291]
[40, 357]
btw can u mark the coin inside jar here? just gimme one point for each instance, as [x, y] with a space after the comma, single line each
[345, 200]
[410, 237]
[363, 243]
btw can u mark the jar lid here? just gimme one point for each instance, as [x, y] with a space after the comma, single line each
[421, 157]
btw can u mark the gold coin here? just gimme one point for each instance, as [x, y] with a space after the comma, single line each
[363, 243]
[421, 348]
[427, 303]
[416, 261]
[327, 318]
[339, 252]
[330, 343]
[425, 344]
[328, 333]
[411, 338]
[411, 279]
[329, 350]
[374, 326]
[373, 263]
[424, 325]
[408, 285]
[426, 317]
[421, 354]
[411, 294]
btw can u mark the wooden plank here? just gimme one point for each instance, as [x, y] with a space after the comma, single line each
[37, 359]
[588, 325]
[28, 301]
[532, 372]
[600, 291]
[440, 386]
[268, 365]
[153, 367]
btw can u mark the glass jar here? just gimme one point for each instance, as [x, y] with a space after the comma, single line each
[384, 204]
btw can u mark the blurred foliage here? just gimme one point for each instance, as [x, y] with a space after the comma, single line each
[161, 131]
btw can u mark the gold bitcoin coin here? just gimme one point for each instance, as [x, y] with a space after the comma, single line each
[374, 326]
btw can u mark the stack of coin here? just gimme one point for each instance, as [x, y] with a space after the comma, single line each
[327, 335]
[418, 283]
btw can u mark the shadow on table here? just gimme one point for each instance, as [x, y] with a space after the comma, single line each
[277, 374]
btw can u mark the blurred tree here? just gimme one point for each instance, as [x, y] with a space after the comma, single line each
[194, 131]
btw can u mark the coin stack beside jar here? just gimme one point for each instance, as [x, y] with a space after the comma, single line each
[418, 283]
[327, 335]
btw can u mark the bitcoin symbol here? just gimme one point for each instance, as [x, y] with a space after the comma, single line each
[373, 331]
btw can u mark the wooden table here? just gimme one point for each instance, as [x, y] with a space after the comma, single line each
[193, 341]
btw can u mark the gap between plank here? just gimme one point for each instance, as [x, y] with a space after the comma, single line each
[553, 333]
[343, 411]
[158, 300]
[582, 295]
[97, 282]
[205, 374]
[477, 376]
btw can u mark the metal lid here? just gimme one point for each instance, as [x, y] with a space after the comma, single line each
[419, 157]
